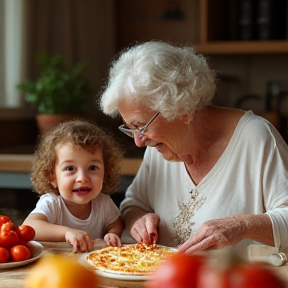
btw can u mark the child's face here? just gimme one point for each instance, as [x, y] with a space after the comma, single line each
[78, 173]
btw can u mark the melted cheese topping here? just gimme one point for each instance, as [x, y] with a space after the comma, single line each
[130, 259]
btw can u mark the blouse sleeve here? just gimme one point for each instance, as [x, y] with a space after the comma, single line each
[275, 183]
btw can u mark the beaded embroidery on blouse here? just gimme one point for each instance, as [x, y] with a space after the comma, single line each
[182, 224]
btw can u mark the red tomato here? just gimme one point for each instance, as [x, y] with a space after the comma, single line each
[253, 275]
[4, 219]
[179, 271]
[4, 255]
[243, 275]
[211, 276]
[8, 226]
[8, 237]
[20, 253]
[25, 232]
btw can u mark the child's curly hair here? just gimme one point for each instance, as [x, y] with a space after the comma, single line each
[78, 132]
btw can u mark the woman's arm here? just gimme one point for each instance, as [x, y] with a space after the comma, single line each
[227, 231]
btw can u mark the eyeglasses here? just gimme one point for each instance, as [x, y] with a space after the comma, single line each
[130, 132]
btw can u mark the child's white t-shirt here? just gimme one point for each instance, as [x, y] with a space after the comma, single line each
[103, 213]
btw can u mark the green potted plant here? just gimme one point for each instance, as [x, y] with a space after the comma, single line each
[60, 91]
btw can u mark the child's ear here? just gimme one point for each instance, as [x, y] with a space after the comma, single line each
[53, 180]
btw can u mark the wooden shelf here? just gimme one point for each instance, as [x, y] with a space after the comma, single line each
[242, 47]
[21, 163]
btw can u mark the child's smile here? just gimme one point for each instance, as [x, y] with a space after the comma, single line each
[79, 173]
[82, 191]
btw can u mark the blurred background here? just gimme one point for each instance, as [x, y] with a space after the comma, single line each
[246, 42]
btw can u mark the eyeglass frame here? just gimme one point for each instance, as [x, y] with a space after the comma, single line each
[130, 132]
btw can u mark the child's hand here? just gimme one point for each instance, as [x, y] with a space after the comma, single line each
[112, 239]
[80, 240]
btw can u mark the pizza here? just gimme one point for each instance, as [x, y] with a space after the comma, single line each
[134, 259]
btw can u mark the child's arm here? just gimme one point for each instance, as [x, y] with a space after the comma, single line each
[45, 231]
[113, 232]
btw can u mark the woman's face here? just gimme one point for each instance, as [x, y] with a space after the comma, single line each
[78, 173]
[163, 135]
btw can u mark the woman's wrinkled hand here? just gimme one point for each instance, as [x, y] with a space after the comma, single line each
[145, 229]
[80, 240]
[216, 234]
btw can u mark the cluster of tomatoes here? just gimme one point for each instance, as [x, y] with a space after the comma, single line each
[194, 271]
[14, 240]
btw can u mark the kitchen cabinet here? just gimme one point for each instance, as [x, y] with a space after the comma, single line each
[218, 31]
[252, 63]
[210, 26]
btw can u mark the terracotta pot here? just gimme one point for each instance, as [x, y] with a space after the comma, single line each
[46, 122]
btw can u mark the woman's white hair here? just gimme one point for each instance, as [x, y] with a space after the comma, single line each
[166, 78]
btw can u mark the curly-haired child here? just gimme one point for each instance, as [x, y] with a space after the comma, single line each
[75, 169]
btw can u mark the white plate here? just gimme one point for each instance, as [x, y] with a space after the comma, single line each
[128, 277]
[116, 275]
[36, 249]
[82, 260]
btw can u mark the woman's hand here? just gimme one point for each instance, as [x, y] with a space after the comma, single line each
[227, 231]
[80, 240]
[145, 229]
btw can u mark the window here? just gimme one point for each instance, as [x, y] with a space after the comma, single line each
[12, 35]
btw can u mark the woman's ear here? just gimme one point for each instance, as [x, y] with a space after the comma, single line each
[53, 180]
[186, 118]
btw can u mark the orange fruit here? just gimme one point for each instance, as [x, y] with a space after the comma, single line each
[58, 271]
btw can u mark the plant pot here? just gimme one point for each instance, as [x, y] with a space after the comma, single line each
[45, 122]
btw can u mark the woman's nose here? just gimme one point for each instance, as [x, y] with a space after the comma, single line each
[139, 140]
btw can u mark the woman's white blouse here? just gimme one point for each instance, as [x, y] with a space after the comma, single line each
[249, 178]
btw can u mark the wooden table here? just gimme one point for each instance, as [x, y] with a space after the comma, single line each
[15, 277]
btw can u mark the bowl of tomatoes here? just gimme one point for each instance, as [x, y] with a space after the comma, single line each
[16, 244]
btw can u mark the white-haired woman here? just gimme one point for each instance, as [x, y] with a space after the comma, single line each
[211, 176]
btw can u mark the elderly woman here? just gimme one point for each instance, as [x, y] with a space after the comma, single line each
[211, 177]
